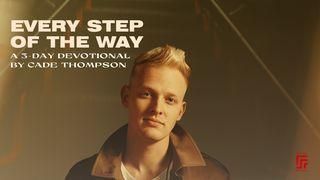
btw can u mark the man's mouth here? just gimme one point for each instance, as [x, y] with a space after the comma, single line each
[153, 120]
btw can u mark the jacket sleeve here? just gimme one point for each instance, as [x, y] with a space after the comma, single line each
[217, 170]
[82, 170]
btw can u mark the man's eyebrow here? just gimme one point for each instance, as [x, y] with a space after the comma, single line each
[145, 87]
[171, 94]
[152, 90]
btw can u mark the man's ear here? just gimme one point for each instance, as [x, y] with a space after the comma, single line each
[182, 110]
[124, 95]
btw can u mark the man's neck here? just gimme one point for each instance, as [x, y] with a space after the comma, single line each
[146, 159]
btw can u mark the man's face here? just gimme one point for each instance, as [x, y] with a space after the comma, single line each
[155, 101]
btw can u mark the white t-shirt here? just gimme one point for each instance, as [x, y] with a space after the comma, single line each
[164, 175]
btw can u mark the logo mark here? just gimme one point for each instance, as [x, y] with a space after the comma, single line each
[301, 161]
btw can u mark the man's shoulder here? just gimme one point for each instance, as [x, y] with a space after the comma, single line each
[212, 170]
[216, 168]
[82, 169]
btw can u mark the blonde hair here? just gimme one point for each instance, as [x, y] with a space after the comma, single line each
[164, 56]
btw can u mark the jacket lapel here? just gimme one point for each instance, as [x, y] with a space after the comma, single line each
[185, 154]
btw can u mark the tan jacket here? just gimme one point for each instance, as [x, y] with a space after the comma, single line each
[188, 162]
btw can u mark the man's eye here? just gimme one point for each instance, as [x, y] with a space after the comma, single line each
[145, 94]
[171, 100]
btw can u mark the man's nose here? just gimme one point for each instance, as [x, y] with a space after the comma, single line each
[157, 106]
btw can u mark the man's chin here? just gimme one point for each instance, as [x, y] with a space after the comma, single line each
[153, 135]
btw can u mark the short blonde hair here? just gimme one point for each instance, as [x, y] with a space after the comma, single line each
[164, 56]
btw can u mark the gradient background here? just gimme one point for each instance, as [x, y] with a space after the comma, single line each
[50, 119]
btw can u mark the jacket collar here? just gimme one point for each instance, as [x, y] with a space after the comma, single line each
[185, 153]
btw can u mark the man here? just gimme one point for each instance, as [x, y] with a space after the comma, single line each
[152, 146]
